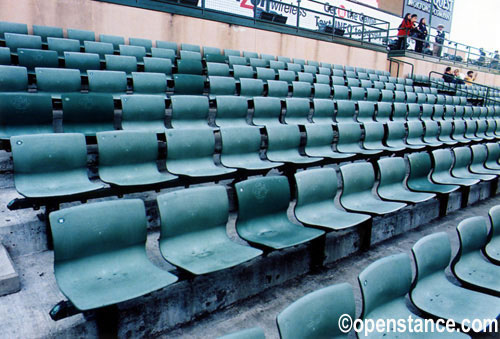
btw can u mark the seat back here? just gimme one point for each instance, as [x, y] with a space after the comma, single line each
[384, 111]
[317, 314]
[494, 215]
[63, 45]
[316, 185]
[283, 137]
[115, 40]
[385, 280]
[432, 254]
[443, 160]
[47, 31]
[167, 45]
[87, 113]
[276, 88]
[463, 157]
[345, 111]
[15, 41]
[149, 83]
[231, 110]
[58, 80]
[301, 89]
[473, 234]
[13, 79]
[254, 87]
[189, 111]
[319, 135]
[357, 177]
[392, 171]
[107, 81]
[163, 53]
[493, 153]
[324, 109]
[158, 65]
[12, 27]
[374, 135]
[80, 35]
[340, 92]
[126, 148]
[479, 154]
[348, 134]
[99, 48]
[267, 110]
[189, 144]
[144, 108]
[5, 58]
[297, 111]
[240, 140]
[188, 84]
[218, 69]
[146, 43]
[221, 85]
[366, 111]
[124, 63]
[420, 165]
[82, 61]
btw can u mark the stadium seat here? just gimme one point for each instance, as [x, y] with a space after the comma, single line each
[459, 132]
[231, 52]
[413, 112]
[62, 45]
[283, 145]
[395, 136]
[12, 27]
[319, 142]
[366, 111]
[469, 266]
[190, 153]
[316, 191]
[122, 63]
[492, 248]
[301, 89]
[415, 134]
[188, 84]
[262, 214]
[158, 65]
[384, 111]
[349, 137]
[5, 56]
[128, 158]
[479, 156]
[31, 58]
[189, 66]
[240, 71]
[50, 165]
[241, 147]
[493, 156]
[87, 113]
[323, 79]
[386, 95]
[276, 65]
[340, 92]
[267, 111]
[295, 68]
[317, 314]
[250, 88]
[358, 180]
[139, 52]
[115, 40]
[372, 94]
[99, 48]
[418, 179]
[358, 93]
[297, 111]
[217, 69]
[146, 43]
[400, 112]
[82, 61]
[338, 80]
[23, 113]
[111, 82]
[427, 112]
[234, 60]
[322, 91]
[197, 242]
[231, 111]
[434, 294]
[15, 41]
[167, 45]
[47, 31]
[287, 76]
[431, 133]
[324, 111]
[221, 86]
[346, 110]
[305, 77]
[374, 136]
[463, 159]
[80, 35]
[58, 80]
[265, 73]
[143, 112]
[470, 130]
[163, 53]
[443, 162]
[13, 79]
[189, 111]
[149, 83]
[391, 186]
[91, 263]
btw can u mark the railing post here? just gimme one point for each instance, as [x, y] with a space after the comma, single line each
[203, 6]
[363, 29]
[333, 21]
[298, 15]
[255, 12]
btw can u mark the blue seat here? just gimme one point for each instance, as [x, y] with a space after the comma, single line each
[13, 79]
[47, 31]
[461, 167]
[115, 40]
[418, 179]
[58, 80]
[189, 84]
[232, 111]
[81, 35]
[283, 145]
[443, 163]
[139, 52]
[324, 110]
[267, 111]
[82, 61]
[99, 48]
[61, 45]
[87, 113]
[122, 63]
[252, 88]
[149, 83]
[143, 112]
[319, 142]
[277, 88]
[349, 138]
[158, 65]
[5, 56]
[221, 86]
[189, 111]
[15, 41]
[146, 43]
[112, 82]
[297, 111]
[12, 27]
[163, 53]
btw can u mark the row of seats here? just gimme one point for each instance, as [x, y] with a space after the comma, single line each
[198, 242]
[40, 160]
[385, 283]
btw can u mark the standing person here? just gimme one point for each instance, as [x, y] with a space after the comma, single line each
[439, 40]
[470, 78]
[421, 35]
[404, 31]
[481, 59]
[494, 62]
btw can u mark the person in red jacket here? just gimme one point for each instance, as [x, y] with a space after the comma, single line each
[404, 31]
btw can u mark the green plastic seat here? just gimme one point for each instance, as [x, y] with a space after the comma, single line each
[349, 137]
[301, 89]
[319, 142]
[448, 113]
[322, 91]
[338, 80]
[479, 156]
[374, 136]
[415, 134]
[142, 112]
[413, 112]
[317, 314]
[31, 58]
[431, 133]
[5, 56]
[13, 79]
[149, 83]
[188, 84]
[163, 53]
[265, 73]
[345, 111]
[470, 130]
[384, 285]
[211, 51]
[276, 88]
[167, 45]
[87, 113]
[15, 41]
[418, 179]
[250, 88]
[400, 111]
[262, 214]
[358, 93]
[305, 77]
[493, 156]
[259, 63]
[391, 187]
[50, 165]
[146, 43]
[372, 94]
[47, 31]
[358, 180]
[267, 111]
[323, 79]
[82, 61]
[128, 158]
[399, 96]
[232, 111]
[111, 82]
[197, 242]
[190, 153]
[352, 82]
[240, 149]
[12, 27]
[115, 40]
[217, 69]
[292, 67]
[459, 132]
[100, 254]
[340, 92]
[395, 135]
[231, 52]
[123, 63]
[99, 48]
[240, 71]
[490, 131]
[482, 127]
[386, 95]
[267, 57]
[189, 66]
[81, 35]
[158, 65]
[366, 111]
[61, 45]
[249, 55]
[492, 248]
[276, 65]
[316, 191]
[189, 111]
[469, 266]
[238, 60]
[221, 86]
[283, 145]
[297, 111]
[384, 111]
[434, 294]
[459, 112]
[443, 162]
[58, 80]
[324, 109]
[463, 159]
[25, 113]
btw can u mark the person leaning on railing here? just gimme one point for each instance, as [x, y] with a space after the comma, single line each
[421, 35]
[439, 40]
[404, 31]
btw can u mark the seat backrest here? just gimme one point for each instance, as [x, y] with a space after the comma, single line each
[13, 79]
[322, 91]
[494, 214]
[267, 108]
[317, 314]
[316, 185]
[15, 41]
[301, 89]
[116, 225]
[415, 130]
[149, 83]
[255, 87]
[262, 196]
[61, 45]
[345, 111]
[231, 109]
[214, 68]
[297, 110]
[427, 111]
[443, 160]
[12, 27]
[420, 165]
[189, 111]
[5, 58]
[47, 31]
[392, 170]
[366, 111]
[479, 154]
[138, 52]
[287, 76]
[58, 80]
[158, 65]
[142, 107]
[374, 134]
[82, 61]
[357, 177]
[99, 48]
[400, 111]
[384, 111]
[432, 254]
[240, 140]
[413, 112]
[473, 234]
[146, 43]
[125, 63]
[240, 71]
[189, 66]
[107, 81]
[163, 53]
[115, 40]
[188, 84]
[463, 157]
[385, 280]
[167, 45]
[493, 152]
[189, 143]
[324, 109]
[88, 108]
[348, 133]
[236, 60]
[80, 35]
[340, 92]
[319, 135]
[221, 85]
[283, 137]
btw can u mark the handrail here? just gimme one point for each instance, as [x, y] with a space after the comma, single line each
[397, 61]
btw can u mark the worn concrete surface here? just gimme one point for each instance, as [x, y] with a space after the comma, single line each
[9, 279]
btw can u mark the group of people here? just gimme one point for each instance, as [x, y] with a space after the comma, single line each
[409, 28]
[458, 78]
